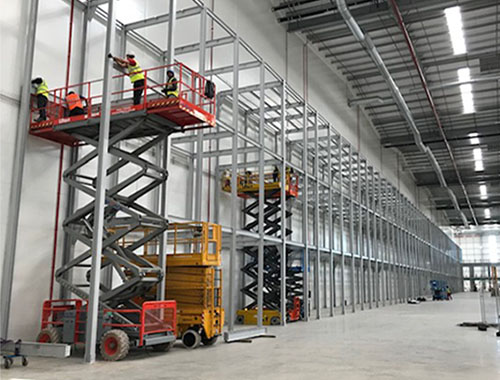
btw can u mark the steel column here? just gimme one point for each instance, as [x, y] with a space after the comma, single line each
[95, 273]
[305, 210]
[330, 223]
[342, 232]
[351, 231]
[260, 257]
[172, 15]
[283, 253]
[234, 185]
[317, 295]
[199, 141]
[17, 172]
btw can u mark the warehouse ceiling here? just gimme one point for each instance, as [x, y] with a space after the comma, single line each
[451, 70]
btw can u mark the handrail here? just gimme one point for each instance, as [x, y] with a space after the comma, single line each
[190, 86]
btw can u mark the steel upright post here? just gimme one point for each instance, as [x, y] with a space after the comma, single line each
[199, 137]
[342, 232]
[283, 255]
[260, 257]
[330, 222]
[351, 231]
[17, 172]
[317, 295]
[104, 127]
[369, 249]
[172, 13]
[305, 212]
[234, 184]
[361, 244]
[375, 245]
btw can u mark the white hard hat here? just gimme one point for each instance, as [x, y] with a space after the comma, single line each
[131, 53]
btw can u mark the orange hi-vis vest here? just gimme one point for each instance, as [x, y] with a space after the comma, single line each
[74, 101]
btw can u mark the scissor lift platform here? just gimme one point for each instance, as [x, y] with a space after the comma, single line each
[248, 184]
[192, 109]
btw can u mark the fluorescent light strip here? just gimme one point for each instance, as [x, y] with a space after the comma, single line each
[478, 160]
[455, 27]
[487, 213]
[466, 89]
[478, 154]
[483, 192]
[473, 138]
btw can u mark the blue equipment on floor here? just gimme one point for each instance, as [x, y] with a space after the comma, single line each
[438, 289]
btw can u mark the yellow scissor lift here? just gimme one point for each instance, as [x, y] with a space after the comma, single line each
[194, 280]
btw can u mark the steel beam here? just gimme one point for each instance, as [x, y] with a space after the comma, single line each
[161, 19]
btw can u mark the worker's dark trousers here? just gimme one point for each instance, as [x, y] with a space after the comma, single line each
[42, 104]
[76, 111]
[138, 88]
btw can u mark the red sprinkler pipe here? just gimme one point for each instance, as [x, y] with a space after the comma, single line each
[61, 159]
[413, 55]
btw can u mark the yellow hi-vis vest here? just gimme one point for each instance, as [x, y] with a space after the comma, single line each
[135, 72]
[172, 82]
[43, 89]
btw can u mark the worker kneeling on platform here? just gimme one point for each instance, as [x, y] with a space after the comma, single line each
[75, 104]
[42, 97]
[171, 89]
[134, 72]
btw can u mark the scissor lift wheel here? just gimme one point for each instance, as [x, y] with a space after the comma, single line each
[114, 345]
[208, 341]
[49, 335]
[191, 339]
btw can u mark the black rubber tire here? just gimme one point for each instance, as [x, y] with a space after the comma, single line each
[208, 341]
[164, 347]
[240, 319]
[275, 321]
[114, 345]
[25, 361]
[53, 334]
[191, 339]
[7, 363]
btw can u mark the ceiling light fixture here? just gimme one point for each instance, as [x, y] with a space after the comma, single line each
[473, 138]
[466, 89]
[487, 213]
[483, 192]
[478, 160]
[455, 27]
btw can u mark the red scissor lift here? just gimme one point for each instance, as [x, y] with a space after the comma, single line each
[122, 323]
[192, 109]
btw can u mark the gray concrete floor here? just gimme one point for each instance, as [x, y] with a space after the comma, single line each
[395, 342]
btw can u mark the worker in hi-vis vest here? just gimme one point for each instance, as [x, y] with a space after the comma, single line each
[134, 72]
[75, 104]
[42, 97]
[171, 89]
